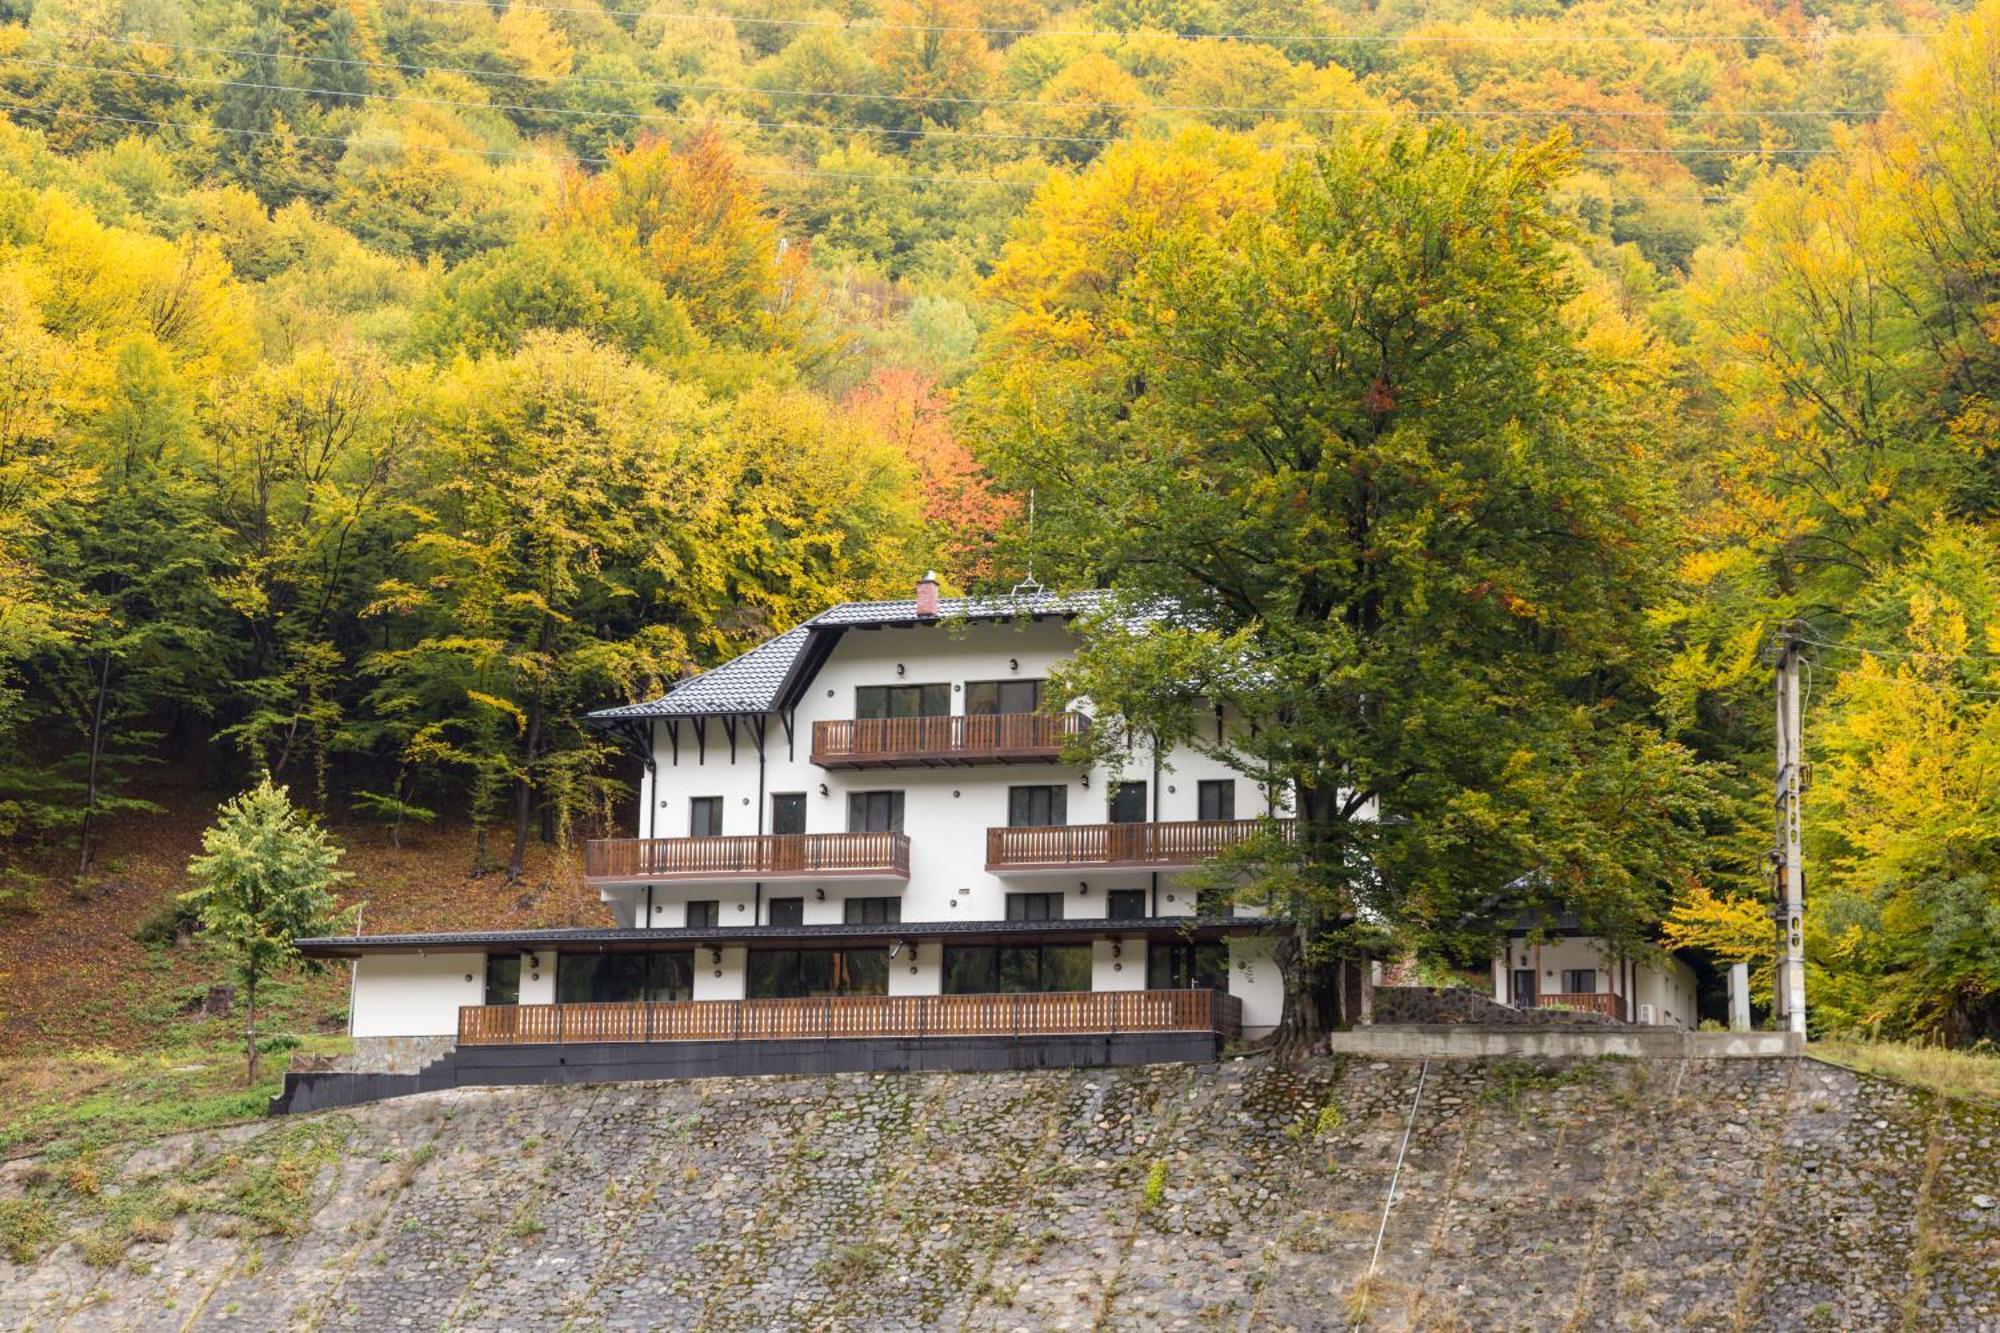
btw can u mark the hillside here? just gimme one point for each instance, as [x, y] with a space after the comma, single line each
[1728, 1194]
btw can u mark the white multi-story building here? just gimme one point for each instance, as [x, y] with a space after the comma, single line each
[866, 826]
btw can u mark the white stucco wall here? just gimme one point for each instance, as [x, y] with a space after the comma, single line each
[415, 995]
[1254, 979]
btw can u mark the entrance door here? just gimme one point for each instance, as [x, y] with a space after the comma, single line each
[788, 827]
[1522, 989]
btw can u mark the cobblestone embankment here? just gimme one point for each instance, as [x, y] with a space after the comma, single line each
[1550, 1195]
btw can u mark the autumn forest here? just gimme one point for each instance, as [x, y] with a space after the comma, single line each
[385, 383]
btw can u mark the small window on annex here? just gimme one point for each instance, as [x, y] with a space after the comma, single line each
[871, 911]
[983, 698]
[885, 701]
[783, 974]
[1187, 967]
[986, 969]
[703, 914]
[787, 912]
[875, 812]
[1125, 904]
[611, 978]
[1034, 907]
[503, 978]
[1037, 807]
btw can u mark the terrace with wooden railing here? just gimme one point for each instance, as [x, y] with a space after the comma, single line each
[761, 856]
[938, 742]
[1050, 1014]
[1081, 846]
[1588, 1002]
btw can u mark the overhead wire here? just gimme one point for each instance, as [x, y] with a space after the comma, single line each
[865, 95]
[1278, 38]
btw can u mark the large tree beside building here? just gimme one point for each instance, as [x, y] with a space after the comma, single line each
[1349, 433]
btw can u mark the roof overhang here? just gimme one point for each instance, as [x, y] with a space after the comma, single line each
[1185, 929]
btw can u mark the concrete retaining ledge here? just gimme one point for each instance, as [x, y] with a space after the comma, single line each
[1462, 1041]
[618, 1062]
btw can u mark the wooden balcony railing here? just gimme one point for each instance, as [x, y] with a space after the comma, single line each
[1597, 1002]
[765, 856]
[1057, 1013]
[998, 738]
[1066, 846]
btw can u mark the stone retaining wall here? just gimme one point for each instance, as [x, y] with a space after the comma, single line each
[1598, 1194]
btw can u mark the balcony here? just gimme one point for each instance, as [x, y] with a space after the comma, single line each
[763, 856]
[1602, 1003]
[943, 742]
[1046, 1014]
[1164, 846]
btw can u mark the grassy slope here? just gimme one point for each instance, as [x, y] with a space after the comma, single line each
[100, 1036]
[1968, 1075]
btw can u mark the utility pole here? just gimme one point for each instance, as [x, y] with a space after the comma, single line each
[1789, 877]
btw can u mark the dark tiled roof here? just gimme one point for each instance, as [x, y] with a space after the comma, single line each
[353, 946]
[757, 681]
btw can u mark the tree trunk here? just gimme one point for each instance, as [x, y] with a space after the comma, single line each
[96, 757]
[250, 1024]
[524, 797]
[524, 802]
[1298, 1023]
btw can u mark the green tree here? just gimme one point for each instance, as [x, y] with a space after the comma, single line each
[265, 877]
[1368, 483]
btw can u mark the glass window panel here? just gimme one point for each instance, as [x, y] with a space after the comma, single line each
[1020, 969]
[1126, 904]
[1034, 907]
[705, 817]
[670, 976]
[969, 969]
[788, 911]
[936, 701]
[875, 812]
[772, 974]
[702, 915]
[986, 697]
[1580, 980]
[1037, 807]
[503, 978]
[1160, 967]
[867, 971]
[1065, 967]
[576, 977]
[1217, 799]
[871, 701]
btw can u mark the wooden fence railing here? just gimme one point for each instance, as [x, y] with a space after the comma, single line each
[980, 738]
[765, 855]
[1181, 843]
[1056, 1013]
[1598, 1002]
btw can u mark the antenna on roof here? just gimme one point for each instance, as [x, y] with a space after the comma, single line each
[1028, 584]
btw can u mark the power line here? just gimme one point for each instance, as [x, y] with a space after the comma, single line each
[1282, 38]
[665, 118]
[200, 127]
[849, 94]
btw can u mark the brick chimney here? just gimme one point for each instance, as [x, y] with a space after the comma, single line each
[927, 597]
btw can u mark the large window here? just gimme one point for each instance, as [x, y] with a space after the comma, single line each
[1034, 907]
[872, 911]
[880, 701]
[503, 978]
[986, 969]
[1187, 967]
[609, 978]
[705, 817]
[875, 812]
[1037, 807]
[986, 697]
[1216, 798]
[1128, 803]
[1125, 904]
[779, 974]
[787, 912]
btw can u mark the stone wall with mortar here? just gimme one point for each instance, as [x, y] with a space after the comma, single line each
[1598, 1194]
